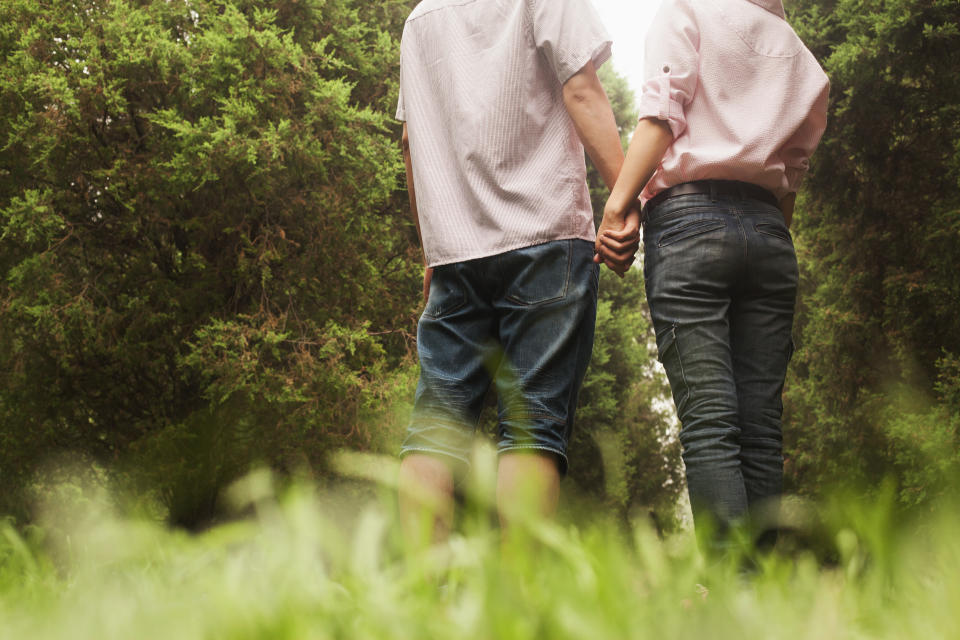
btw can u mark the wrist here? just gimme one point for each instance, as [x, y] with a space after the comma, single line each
[620, 199]
[615, 211]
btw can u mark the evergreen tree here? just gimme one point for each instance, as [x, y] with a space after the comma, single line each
[202, 262]
[876, 377]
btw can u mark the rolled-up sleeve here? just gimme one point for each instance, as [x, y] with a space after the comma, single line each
[671, 65]
[569, 34]
[798, 149]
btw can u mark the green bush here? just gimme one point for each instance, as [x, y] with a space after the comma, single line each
[201, 245]
[877, 236]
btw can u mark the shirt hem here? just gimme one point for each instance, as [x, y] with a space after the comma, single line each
[509, 247]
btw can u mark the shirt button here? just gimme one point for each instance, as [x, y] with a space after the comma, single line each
[666, 68]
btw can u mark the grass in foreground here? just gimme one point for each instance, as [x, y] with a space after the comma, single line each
[294, 569]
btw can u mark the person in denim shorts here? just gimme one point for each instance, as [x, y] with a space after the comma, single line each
[733, 106]
[499, 98]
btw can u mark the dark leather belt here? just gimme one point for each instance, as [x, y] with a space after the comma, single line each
[713, 188]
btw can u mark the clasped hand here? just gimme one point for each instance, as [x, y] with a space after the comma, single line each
[618, 237]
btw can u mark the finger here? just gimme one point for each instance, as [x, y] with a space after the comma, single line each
[615, 268]
[618, 269]
[620, 257]
[620, 246]
[628, 232]
[633, 221]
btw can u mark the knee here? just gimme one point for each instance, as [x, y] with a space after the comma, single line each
[710, 439]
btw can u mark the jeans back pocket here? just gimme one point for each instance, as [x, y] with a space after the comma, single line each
[538, 274]
[690, 229]
[774, 229]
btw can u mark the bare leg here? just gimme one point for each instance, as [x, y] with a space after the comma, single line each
[528, 486]
[426, 500]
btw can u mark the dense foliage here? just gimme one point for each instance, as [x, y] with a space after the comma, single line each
[206, 258]
[202, 260]
[875, 382]
[207, 262]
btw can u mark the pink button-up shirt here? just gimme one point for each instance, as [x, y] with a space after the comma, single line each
[497, 163]
[745, 99]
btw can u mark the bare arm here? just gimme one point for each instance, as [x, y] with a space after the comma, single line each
[589, 108]
[786, 206]
[411, 193]
[650, 141]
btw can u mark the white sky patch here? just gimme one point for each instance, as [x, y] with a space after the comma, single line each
[627, 22]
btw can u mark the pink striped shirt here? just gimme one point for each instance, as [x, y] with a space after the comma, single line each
[497, 163]
[746, 100]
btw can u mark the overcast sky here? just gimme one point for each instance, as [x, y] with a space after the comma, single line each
[627, 22]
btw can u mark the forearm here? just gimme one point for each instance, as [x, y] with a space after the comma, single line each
[786, 206]
[589, 108]
[650, 141]
[411, 191]
[412, 194]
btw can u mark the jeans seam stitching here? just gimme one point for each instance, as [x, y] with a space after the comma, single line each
[683, 373]
[538, 447]
[406, 450]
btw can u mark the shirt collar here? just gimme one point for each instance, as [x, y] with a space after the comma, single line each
[773, 6]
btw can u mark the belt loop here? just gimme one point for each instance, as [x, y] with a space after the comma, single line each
[713, 190]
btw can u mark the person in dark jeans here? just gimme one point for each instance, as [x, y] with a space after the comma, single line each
[733, 106]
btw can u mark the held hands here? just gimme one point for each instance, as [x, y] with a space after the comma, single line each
[618, 237]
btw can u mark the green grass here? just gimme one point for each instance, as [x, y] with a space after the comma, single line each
[308, 564]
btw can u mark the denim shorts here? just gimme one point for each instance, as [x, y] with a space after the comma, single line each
[523, 320]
